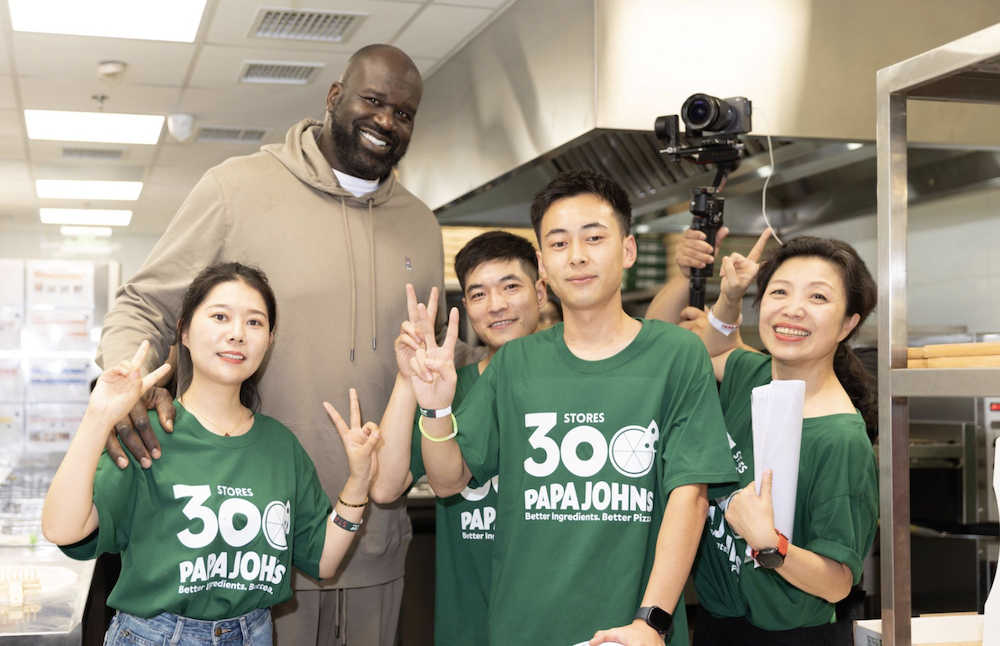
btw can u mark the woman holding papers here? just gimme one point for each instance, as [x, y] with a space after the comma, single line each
[755, 586]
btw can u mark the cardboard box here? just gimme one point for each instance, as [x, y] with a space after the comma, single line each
[944, 630]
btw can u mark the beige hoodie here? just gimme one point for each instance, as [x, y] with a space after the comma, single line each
[326, 254]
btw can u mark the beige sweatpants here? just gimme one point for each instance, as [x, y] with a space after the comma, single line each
[340, 617]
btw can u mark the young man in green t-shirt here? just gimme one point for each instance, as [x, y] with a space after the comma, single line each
[605, 430]
[502, 294]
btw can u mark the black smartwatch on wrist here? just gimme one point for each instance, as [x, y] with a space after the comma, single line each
[772, 557]
[658, 619]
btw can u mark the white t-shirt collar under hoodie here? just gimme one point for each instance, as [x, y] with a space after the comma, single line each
[355, 185]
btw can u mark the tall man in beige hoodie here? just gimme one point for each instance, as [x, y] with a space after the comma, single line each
[339, 238]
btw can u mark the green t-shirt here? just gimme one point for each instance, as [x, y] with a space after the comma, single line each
[588, 452]
[836, 509]
[212, 529]
[463, 545]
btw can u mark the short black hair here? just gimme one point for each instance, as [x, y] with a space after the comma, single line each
[580, 182]
[492, 246]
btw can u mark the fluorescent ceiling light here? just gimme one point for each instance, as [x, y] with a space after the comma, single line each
[171, 20]
[855, 146]
[71, 189]
[86, 217]
[89, 232]
[102, 127]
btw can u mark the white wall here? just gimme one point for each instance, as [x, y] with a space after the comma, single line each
[129, 250]
[953, 259]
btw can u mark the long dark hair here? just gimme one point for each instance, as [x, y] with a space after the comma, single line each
[197, 292]
[862, 296]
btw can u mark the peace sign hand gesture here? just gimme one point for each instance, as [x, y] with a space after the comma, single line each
[432, 369]
[359, 442]
[411, 337]
[738, 271]
[120, 387]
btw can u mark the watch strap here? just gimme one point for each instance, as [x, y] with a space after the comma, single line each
[781, 550]
[658, 619]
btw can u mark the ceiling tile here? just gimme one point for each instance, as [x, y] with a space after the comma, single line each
[440, 29]
[52, 151]
[7, 101]
[12, 148]
[76, 57]
[232, 20]
[425, 65]
[16, 172]
[10, 123]
[278, 109]
[17, 191]
[48, 94]
[218, 67]
[490, 4]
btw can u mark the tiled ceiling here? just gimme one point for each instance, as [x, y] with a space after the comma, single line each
[55, 72]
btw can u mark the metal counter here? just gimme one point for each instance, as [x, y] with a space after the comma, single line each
[42, 592]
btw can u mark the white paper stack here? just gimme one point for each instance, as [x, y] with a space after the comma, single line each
[776, 413]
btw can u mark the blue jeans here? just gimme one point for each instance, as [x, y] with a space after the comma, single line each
[166, 629]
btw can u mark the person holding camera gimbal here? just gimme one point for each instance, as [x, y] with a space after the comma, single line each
[812, 295]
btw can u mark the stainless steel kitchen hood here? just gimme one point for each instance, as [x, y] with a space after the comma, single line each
[555, 84]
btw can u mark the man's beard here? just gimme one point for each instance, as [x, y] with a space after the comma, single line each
[358, 160]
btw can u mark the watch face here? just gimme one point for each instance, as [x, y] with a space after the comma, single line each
[770, 558]
[660, 619]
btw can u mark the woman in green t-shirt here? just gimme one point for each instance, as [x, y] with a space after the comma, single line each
[812, 295]
[208, 535]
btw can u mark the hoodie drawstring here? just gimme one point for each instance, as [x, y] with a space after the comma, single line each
[371, 263]
[371, 269]
[350, 261]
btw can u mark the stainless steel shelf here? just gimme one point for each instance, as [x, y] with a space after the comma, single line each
[966, 70]
[946, 382]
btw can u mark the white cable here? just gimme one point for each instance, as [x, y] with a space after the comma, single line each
[763, 195]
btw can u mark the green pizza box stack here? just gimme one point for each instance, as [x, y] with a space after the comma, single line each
[650, 268]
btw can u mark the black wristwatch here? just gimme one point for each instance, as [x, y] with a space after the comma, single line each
[657, 618]
[772, 557]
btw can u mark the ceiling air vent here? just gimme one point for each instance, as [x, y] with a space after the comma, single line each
[227, 135]
[312, 25]
[278, 73]
[102, 154]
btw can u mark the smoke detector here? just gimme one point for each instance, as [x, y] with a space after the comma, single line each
[111, 70]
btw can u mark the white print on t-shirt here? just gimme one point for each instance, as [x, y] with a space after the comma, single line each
[741, 466]
[249, 566]
[632, 448]
[276, 515]
[478, 523]
[717, 517]
[724, 542]
[632, 452]
[218, 570]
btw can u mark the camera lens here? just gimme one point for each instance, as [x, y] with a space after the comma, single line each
[698, 110]
[704, 112]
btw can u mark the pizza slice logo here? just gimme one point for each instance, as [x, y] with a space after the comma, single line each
[633, 449]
